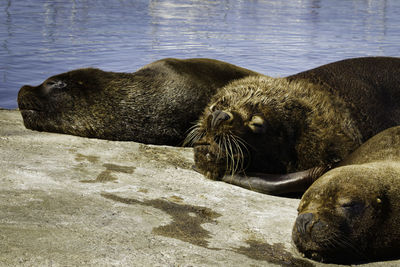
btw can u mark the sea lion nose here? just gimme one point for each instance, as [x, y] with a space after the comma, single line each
[26, 89]
[303, 223]
[24, 94]
[219, 116]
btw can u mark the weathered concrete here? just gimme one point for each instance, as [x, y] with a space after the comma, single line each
[73, 201]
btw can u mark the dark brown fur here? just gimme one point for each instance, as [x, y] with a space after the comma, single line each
[157, 104]
[352, 213]
[282, 125]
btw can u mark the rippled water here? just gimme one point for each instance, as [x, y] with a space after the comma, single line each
[41, 38]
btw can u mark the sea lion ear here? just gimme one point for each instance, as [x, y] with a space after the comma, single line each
[257, 125]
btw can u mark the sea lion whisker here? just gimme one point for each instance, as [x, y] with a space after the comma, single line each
[333, 242]
[243, 142]
[189, 140]
[328, 244]
[225, 149]
[237, 155]
[234, 155]
[338, 241]
[195, 133]
[246, 153]
[349, 244]
[221, 145]
[198, 134]
[239, 152]
[230, 156]
[194, 126]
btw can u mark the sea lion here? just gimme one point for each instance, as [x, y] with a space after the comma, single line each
[352, 213]
[313, 119]
[156, 104]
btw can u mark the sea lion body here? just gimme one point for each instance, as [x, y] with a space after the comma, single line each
[352, 213]
[156, 104]
[283, 125]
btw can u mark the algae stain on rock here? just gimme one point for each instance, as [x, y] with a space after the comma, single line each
[103, 177]
[186, 224]
[107, 175]
[186, 219]
[275, 254]
[143, 190]
[119, 168]
[91, 159]
[176, 199]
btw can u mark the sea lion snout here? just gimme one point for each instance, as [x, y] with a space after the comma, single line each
[29, 99]
[309, 227]
[309, 236]
[218, 117]
[303, 223]
[25, 90]
[41, 90]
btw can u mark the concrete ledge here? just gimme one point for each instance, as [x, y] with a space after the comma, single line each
[72, 201]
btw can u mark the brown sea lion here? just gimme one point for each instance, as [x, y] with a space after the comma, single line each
[352, 213]
[309, 120]
[157, 104]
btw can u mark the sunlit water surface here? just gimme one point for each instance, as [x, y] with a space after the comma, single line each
[40, 38]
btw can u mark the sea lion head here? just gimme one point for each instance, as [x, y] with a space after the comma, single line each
[251, 125]
[342, 216]
[71, 102]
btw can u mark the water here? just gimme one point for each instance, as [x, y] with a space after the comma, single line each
[40, 38]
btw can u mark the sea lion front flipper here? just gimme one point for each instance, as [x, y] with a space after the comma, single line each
[277, 184]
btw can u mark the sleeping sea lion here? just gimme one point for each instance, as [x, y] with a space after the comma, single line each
[156, 104]
[314, 119]
[352, 213]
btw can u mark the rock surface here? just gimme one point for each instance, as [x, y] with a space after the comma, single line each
[73, 201]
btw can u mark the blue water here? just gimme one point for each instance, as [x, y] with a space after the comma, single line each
[40, 38]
